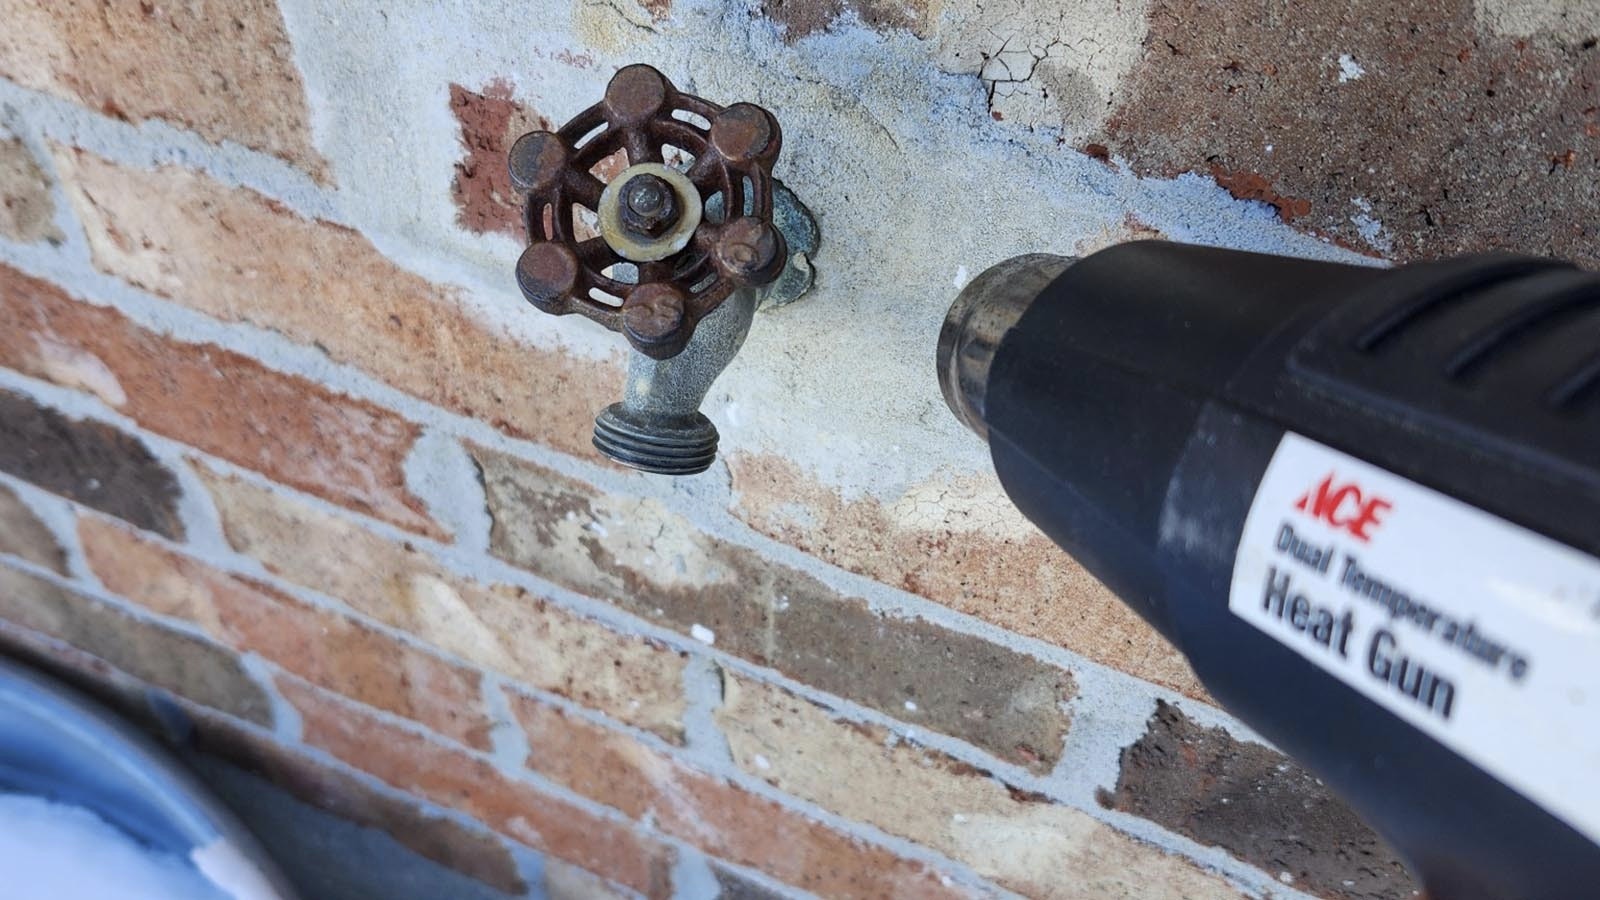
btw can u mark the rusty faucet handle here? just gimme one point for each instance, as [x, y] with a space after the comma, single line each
[674, 241]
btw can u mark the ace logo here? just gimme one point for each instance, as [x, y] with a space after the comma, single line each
[1345, 507]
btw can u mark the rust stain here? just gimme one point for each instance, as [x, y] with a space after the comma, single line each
[1251, 186]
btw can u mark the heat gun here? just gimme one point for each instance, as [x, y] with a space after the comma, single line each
[1363, 502]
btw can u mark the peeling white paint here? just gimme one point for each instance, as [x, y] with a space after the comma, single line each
[1349, 69]
[439, 470]
[1370, 229]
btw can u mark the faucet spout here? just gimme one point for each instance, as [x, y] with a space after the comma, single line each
[658, 426]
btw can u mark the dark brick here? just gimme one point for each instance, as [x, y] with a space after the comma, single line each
[90, 462]
[165, 658]
[1460, 139]
[653, 562]
[22, 534]
[961, 685]
[965, 548]
[1256, 804]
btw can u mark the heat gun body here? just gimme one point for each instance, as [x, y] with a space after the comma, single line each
[1364, 503]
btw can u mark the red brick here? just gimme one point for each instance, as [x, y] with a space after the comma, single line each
[460, 780]
[1252, 186]
[224, 69]
[720, 818]
[328, 649]
[346, 450]
[1472, 128]
[239, 256]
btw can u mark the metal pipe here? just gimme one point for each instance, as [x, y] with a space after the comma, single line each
[658, 426]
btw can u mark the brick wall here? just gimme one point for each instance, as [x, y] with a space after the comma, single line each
[286, 460]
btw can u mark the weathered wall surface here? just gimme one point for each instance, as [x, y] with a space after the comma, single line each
[281, 445]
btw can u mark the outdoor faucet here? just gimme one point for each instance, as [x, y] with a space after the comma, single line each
[676, 249]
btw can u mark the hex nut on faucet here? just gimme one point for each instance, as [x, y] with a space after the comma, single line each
[688, 248]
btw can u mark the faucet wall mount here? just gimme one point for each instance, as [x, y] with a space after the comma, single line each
[676, 251]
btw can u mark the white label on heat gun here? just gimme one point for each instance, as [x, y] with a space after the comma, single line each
[1481, 633]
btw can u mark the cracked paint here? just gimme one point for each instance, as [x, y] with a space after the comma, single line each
[1043, 64]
